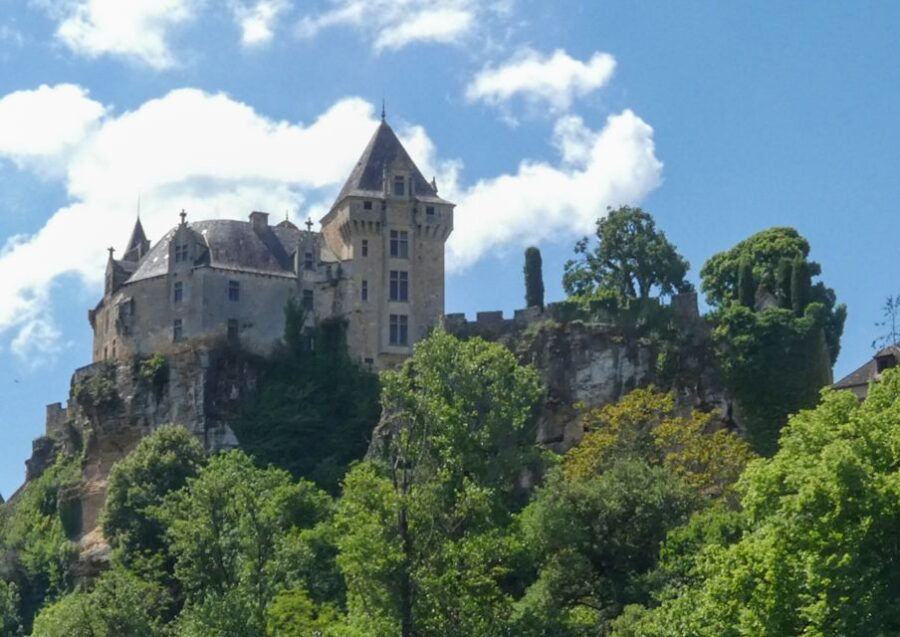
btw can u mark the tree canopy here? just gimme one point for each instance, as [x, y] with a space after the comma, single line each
[820, 534]
[631, 259]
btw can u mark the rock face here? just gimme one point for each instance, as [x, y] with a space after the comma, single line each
[589, 359]
[112, 407]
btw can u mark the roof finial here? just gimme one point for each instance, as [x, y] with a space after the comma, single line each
[383, 110]
[111, 251]
[309, 224]
[183, 216]
[139, 208]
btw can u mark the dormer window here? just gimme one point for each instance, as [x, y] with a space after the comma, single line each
[181, 253]
[399, 186]
[308, 261]
[885, 362]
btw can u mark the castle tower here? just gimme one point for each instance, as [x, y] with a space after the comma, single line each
[388, 227]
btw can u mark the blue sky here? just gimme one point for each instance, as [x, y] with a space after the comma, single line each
[721, 119]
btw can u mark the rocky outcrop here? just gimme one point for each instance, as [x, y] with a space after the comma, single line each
[112, 406]
[592, 358]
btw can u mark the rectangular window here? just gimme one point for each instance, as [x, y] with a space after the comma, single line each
[177, 332]
[399, 186]
[364, 291]
[399, 286]
[308, 261]
[234, 291]
[181, 253]
[399, 329]
[365, 247]
[429, 210]
[367, 205]
[233, 329]
[178, 292]
[308, 300]
[400, 244]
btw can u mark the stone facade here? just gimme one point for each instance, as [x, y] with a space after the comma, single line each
[378, 264]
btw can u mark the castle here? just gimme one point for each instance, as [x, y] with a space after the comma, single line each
[378, 264]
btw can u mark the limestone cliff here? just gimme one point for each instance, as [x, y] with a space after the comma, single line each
[593, 358]
[112, 406]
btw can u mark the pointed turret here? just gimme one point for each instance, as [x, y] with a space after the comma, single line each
[138, 245]
[382, 155]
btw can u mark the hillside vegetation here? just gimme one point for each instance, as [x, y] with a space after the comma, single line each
[455, 523]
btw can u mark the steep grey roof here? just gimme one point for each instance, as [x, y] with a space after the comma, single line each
[137, 243]
[868, 372]
[229, 245]
[383, 149]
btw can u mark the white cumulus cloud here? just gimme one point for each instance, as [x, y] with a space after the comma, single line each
[43, 124]
[555, 80]
[394, 24]
[541, 201]
[135, 29]
[257, 20]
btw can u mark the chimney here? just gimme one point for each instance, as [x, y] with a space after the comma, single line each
[259, 220]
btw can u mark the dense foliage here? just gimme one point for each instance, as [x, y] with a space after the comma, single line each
[661, 521]
[316, 407]
[777, 333]
[816, 552]
[35, 539]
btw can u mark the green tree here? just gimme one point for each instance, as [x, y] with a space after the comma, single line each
[421, 546]
[631, 258]
[10, 620]
[37, 551]
[534, 278]
[119, 604]
[775, 356]
[231, 531]
[746, 284]
[160, 464]
[821, 531]
[316, 407]
[595, 539]
[776, 255]
[293, 613]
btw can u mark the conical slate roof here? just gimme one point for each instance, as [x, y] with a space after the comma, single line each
[383, 150]
[138, 244]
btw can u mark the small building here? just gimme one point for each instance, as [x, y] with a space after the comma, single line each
[859, 380]
[377, 264]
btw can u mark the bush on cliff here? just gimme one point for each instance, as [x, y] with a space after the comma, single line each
[316, 407]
